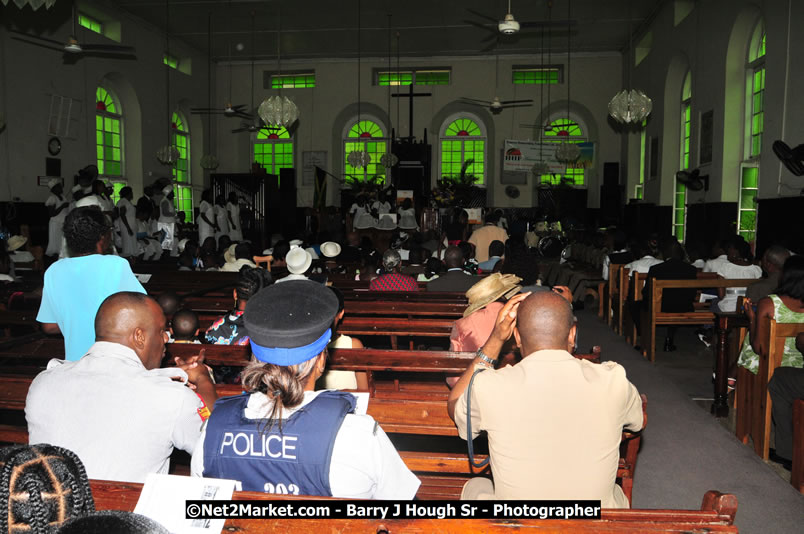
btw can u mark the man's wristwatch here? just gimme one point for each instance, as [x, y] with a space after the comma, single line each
[482, 355]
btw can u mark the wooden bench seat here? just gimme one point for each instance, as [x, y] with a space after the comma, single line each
[716, 514]
[652, 316]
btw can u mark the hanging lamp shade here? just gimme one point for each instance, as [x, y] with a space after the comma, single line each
[539, 168]
[359, 159]
[389, 160]
[630, 107]
[209, 162]
[35, 4]
[278, 111]
[168, 155]
[568, 152]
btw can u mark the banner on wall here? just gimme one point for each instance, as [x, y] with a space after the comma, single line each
[523, 155]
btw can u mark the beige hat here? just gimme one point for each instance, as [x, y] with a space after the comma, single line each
[53, 182]
[16, 241]
[229, 255]
[330, 249]
[298, 260]
[491, 288]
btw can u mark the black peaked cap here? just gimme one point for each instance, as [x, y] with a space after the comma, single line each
[291, 314]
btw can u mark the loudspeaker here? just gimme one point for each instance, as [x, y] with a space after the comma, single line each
[610, 203]
[287, 197]
[611, 173]
[52, 166]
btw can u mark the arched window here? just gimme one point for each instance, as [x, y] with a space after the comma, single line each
[180, 134]
[463, 140]
[273, 149]
[109, 139]
[565, 129]
[685, 129]
[365, 135]
[755, 125]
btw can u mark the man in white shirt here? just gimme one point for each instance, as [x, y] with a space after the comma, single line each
[114, 407]
[645, 262]
[719, 257]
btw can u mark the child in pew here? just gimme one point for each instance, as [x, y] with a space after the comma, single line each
[333, 379]
[184, 327]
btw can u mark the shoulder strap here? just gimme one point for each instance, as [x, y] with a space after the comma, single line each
[469, 438]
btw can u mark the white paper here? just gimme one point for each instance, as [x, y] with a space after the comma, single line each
[163, 500]
[143, 278]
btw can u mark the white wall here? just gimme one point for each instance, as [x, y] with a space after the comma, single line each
[323, 109]
[712, 40]
[29, 74]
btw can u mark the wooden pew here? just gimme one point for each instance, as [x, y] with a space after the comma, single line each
[797, 472]
[653, 316]
[753, 402]
[716, 514]
[395, 296]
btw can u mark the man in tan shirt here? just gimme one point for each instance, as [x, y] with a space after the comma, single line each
[554, 422]
[483, 236]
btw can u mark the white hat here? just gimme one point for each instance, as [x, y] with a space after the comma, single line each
[296, 242]
[15, 242]
[76, 188]
[182, 244]
[89, 200]
[229, 255]
[168, 189]
[298, 260]
[53, 182]
[330, 249]
[268, 251]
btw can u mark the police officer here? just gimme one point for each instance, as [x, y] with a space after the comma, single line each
[283, 437]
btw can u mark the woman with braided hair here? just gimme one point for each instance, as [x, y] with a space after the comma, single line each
[41, 487]
[228, 330]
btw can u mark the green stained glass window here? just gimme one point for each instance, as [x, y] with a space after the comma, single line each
[292, 81]
[535, 75]
[414, 77]
[170, 61]
[463, 141]
[685, 136]
[565, 130]
[90, 23]
[757, 122]
[273, 149]
[747, 215]
[679, 210]
[116, 187]
[366, 135]
[183, 200]
[180, 136]
[108, 134]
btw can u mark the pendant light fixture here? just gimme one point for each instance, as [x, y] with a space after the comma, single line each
[278, 110]
[168, 154]
[359, 159]
[568, 152]
[630, 106]
[389, 159]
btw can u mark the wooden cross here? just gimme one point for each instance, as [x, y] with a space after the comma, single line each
[410, 95]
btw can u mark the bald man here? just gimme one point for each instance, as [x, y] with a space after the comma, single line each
[115, 407]
[554, 422]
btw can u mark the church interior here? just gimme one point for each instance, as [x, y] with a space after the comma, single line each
[657, 117]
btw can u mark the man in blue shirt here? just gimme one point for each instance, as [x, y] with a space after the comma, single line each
[496, 252]
[76, 286]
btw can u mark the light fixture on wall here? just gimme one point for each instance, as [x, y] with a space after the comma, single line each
[278, 110]
[35, 4]
[568, 152]
[358, 159]
[168, 154]
[630, 106]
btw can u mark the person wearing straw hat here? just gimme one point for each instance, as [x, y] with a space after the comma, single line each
[238, 256]
[57, 207]
[284, 437]
[15, 243]
[486, 299]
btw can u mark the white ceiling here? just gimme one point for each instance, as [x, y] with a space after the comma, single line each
[328, 28]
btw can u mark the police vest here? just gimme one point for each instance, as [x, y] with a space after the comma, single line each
[295, 460]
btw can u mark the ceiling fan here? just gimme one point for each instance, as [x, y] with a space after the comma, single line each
[496, 105]
[73, 47]
[793, 158]
[509, 26]
[228, 111]
[692, 180]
